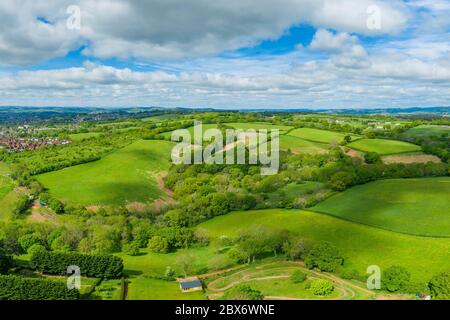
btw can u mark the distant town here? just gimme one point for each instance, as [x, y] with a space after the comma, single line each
[14, 144]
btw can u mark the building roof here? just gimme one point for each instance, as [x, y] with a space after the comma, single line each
[190, 284]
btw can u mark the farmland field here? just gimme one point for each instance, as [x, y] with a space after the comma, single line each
[155, 289]
[160, 118]
[295, 189]
[416, 157]
[8, 196]
[317, 135]
[273, 279]
[83, 136]
[191, 130]
[146, 267]
[361, 245]
[6, 183]
[127, 175]
[258, 126]
[7, 203]
[383, 146]
[414, 206]
[427, 130]
[298, 145]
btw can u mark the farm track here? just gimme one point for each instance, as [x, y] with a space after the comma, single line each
[347, 289]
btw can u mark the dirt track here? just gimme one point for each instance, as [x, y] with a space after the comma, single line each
[347, 289]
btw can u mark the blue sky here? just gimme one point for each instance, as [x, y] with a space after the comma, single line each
[226, 54]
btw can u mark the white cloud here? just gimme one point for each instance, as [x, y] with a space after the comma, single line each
[383, 80]
[327, 41]
[161, 29]
[183, 38]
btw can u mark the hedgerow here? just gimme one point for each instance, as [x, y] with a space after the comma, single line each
[97, 266]
[19, 288]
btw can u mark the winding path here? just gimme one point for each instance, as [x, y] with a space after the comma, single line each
[346, 288]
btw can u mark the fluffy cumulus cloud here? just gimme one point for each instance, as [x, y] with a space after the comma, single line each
[172, 29]
[405, 62]
[27, 37]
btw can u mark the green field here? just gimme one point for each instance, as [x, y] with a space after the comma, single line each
[293, 190]
[317, 135]
[83, 136]
[191, 130]
[296, 189]
[243, 126]
[107, 290]
[298, 145]
[160, 118]
[8, 196]
[361, 245]
[413, 206]
[383, 146]
[142, 271]
[6, 183]
[273, 280]
[258, 126]
[428, 131]
[149, 264]
[155, 289]
[127, 175]
[7, 204]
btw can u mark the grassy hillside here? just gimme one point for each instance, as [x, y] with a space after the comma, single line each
[383, 146]
[427, 131]
[127, 175]
[361, 245]
[8, 196]
[6, 183]
[317, 135]
[415, 206]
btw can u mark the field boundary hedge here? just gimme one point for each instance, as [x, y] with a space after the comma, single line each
[19, 288]
[97, 266]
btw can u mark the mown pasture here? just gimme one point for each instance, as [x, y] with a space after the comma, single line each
[298, 145]
[317, 135]
[127, 175]
[383, 146]
[413, 206]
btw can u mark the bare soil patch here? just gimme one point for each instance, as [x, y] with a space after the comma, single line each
[41, 214]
